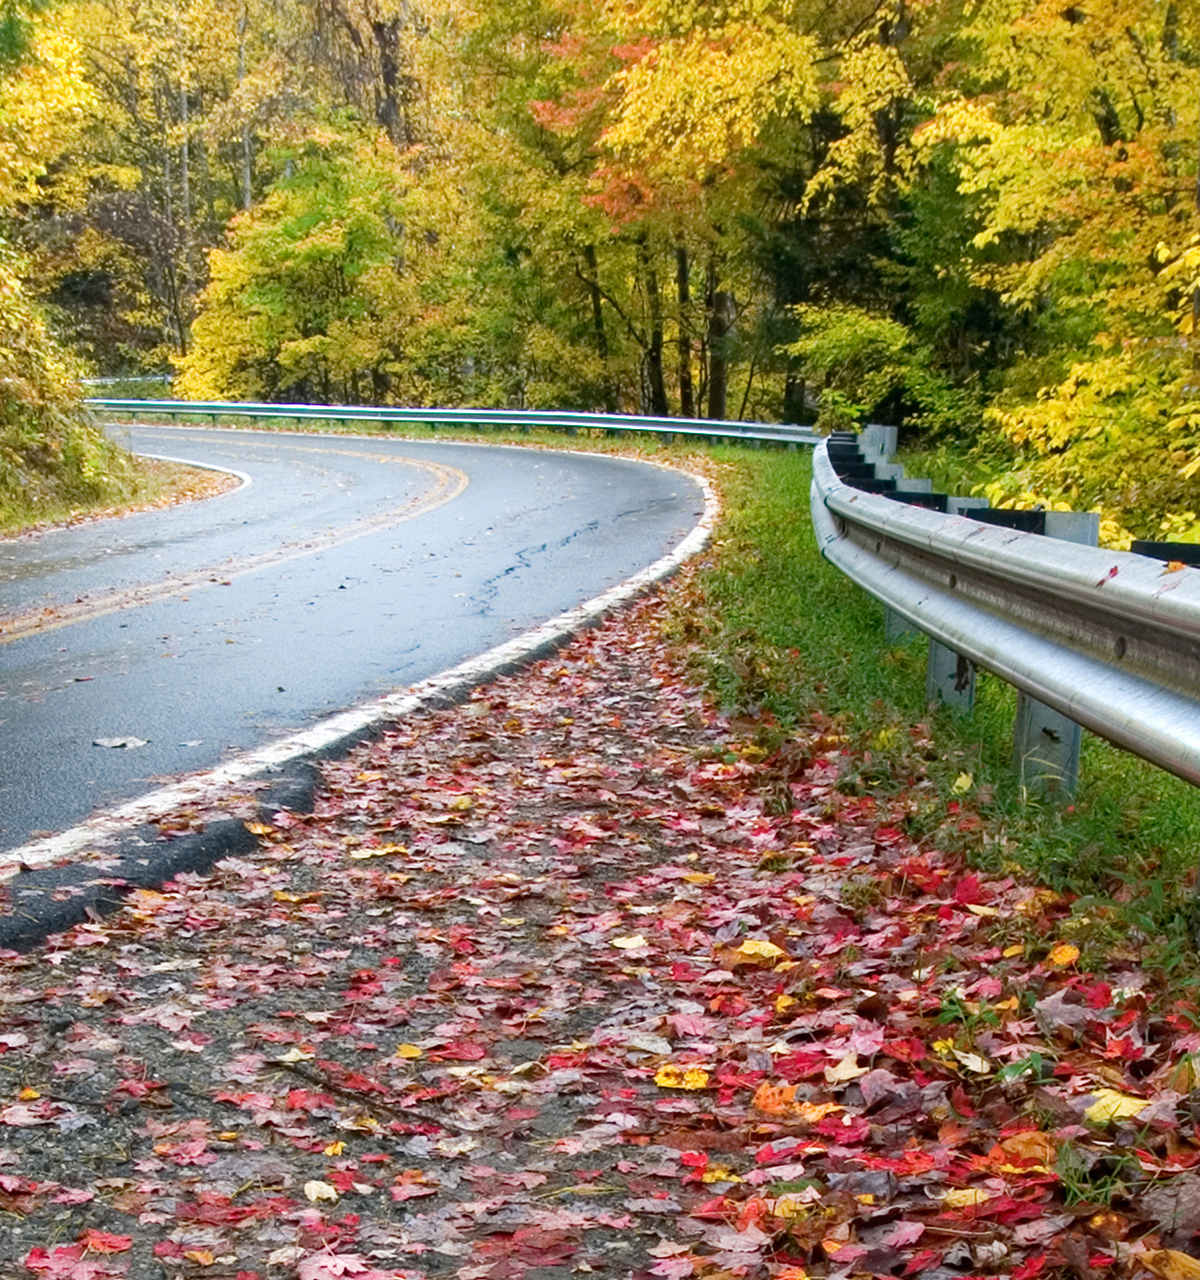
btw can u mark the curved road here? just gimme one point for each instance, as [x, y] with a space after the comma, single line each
[345, 568]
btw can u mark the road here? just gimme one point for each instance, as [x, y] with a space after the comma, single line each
[346, 567]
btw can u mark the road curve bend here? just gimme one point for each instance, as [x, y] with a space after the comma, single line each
[342, 568]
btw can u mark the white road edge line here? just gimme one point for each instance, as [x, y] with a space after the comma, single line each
[391, 707]
[203, 466]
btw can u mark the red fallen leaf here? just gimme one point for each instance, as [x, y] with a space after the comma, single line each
[458, 1051]
[968, 890]
[138, 1088]
[909, 1049]
[68, 1263]
[1032, 1267]
[926, 1260]
[104, 1242]
[168, 1249]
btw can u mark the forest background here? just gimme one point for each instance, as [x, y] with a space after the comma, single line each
[976, 219]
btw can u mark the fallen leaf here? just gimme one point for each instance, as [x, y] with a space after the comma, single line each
[316, 1191]
[965, 1197]
[758, 949]
[1171, 1264]
[630, 943]
[104, 1242]
[669, 1076]
[1111, 1105]
[973, 1062]
[846, 1069]
[119, 742]
[1063, 954]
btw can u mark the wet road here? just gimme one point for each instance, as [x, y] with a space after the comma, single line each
[343, 569]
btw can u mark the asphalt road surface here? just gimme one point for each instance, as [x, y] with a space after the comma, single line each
[345, 568]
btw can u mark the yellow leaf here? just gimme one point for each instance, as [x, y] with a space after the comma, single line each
[260, 829]
[699, 877]
[759, 949]
[201, 1257]
[964, 782]
[1015, 950]
[377, 851]
[669, 1076]
[964, 1197]
[335, 1149]
[1171, 1264]
[631, 943]
[718, 1174]
[296, 1055]
[847, 1069]
[1062, 955]
[407, 1051]
[1112, 1105]
[978, 909]
[784, 1003]
[973, 1062]
[316, 1191]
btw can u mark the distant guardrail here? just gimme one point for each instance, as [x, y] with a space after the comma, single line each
[1105, 639]
[518, 419]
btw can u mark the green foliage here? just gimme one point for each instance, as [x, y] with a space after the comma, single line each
[311, 300]
[52, 457]
[861, 361]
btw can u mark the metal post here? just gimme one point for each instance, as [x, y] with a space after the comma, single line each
[896, 626]
[1045, 743]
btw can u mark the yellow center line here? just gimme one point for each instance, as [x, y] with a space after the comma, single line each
[448, 483]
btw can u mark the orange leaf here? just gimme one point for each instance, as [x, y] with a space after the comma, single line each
[104, 1242]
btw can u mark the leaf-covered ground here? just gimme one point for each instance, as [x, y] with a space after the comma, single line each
[570, 980]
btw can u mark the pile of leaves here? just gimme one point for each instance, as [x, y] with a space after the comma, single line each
[572, 979]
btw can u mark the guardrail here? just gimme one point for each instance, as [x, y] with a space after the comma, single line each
[1107, 639]
[521, 419]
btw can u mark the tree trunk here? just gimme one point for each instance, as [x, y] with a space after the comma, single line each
[654, 351]
[592, 281]
[687, 400]
[720, 324]
[247, 152]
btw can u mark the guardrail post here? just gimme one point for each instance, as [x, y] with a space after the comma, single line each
[1045, 743]
[949, 677]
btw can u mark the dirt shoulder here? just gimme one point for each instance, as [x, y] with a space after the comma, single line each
[569, 980]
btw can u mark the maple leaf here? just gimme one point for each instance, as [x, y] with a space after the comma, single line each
[331, 1266]
[68, 1263]
[1171, 1264]
[104, 1242]
[669, 1076]
[1111, 1104]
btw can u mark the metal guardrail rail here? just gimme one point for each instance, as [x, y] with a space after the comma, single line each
[1109, 639]
[521, 419]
